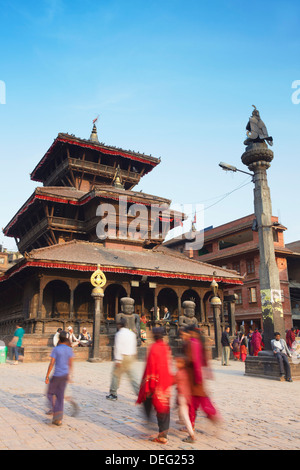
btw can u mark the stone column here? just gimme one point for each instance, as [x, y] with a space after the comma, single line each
[258, 158]
[98, 280]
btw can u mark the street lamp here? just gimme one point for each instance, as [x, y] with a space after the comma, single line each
[227, 167]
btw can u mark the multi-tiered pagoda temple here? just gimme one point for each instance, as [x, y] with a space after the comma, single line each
[87, 213]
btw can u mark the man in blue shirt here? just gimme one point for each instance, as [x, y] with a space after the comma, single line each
[62, 361]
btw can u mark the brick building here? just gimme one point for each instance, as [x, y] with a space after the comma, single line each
[293, 262]
[235, 246]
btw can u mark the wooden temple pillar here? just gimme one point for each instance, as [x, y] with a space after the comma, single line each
[202, 311]
[155, 304]
[179, 296]
[72, 311]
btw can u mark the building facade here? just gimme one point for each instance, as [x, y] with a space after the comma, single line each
[235, 246]
[293, 263]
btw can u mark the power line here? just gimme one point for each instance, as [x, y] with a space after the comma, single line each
[221, 199]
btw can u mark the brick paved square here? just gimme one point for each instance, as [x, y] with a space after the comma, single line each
[256, 413]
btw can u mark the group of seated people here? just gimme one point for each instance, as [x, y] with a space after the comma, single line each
[84, 339]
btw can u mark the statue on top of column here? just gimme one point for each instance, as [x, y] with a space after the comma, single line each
[256, 130]
[188, 317]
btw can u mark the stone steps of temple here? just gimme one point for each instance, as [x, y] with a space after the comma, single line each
[42, 353]
[38, 347]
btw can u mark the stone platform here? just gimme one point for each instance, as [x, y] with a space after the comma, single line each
[265, 365]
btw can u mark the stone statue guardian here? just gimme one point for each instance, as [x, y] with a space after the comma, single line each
[132, 319]
[188, 317]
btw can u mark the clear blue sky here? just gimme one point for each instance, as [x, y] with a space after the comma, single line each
[171, 78]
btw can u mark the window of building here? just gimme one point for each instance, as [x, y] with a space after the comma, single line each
[250, 266]
[205, 249]
[252, 295]
[275, 235]
[236, 266]
[239, 299]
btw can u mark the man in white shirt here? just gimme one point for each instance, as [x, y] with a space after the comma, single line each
[125, 350]
[282, 354]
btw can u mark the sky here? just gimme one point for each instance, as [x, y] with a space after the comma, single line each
[172, 78]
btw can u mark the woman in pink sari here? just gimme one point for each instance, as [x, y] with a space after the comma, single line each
[195, 361]
[256, 342]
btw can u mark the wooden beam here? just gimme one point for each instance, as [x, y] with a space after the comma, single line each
[53, 237]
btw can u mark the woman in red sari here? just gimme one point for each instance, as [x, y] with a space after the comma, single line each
[243, 347]
[155, 389]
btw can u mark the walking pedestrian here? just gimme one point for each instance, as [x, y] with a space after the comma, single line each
[155, 389]
[282, 353]
[195, 361]
[62, 362]
[16, 343]
[226, 345]
[184, 396]
[125, 350]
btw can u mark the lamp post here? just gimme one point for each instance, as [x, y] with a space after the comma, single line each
[257, 157]
[98, 280]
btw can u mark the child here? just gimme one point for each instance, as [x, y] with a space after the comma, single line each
[62, 359]
[181, 380]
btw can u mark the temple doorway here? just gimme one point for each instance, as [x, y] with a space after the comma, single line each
[144, 300]
[84, 304]
[111, 303]
[167, 297]
[56, 300]
[208, 311]
[191, 294]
